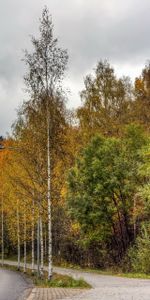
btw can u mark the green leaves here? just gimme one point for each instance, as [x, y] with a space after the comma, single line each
[102, 185]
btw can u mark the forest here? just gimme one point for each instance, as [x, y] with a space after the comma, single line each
[75, 184]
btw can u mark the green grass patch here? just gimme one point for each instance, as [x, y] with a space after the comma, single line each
[119, 273]
[57, 280]
[135, 275]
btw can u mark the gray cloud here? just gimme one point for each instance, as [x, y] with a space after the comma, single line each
[114, 29]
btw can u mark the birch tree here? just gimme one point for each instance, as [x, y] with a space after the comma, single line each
[2, 215]
[18, 235]
[46, 67]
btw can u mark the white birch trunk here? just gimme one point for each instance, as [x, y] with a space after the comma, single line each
[33, 267]
[38, 248]
[45, 244]
[49, 199]
[18, 235]
[2, 231]
[42, 248]
[25, 243]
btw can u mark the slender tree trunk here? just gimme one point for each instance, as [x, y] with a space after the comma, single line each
[38, 248]
[2, 230]
[116, 242]
[120, 224]
[18, 235]
[49, 199]
[42, 248]
[25, 243]
[126, 221]
[45, 244]
[33, 237]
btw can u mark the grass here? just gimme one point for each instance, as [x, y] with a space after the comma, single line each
[58, 280]
[135, 275]
[118, 273]
[63, 281]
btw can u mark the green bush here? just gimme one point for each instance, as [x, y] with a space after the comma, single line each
[140, 252]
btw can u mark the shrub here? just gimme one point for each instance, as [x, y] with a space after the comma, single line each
[140, 252]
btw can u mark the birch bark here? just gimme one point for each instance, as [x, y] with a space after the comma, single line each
[38, 248]
[2, 230]
[49, 199]
[42, 248]
[25, 243]
[18, 235]
[33, 237]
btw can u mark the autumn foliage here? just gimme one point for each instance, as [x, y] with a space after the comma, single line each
[99, 172]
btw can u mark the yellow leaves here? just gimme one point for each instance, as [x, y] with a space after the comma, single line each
[64, 192]
[75, 228]
[5, 154]
[139, 84]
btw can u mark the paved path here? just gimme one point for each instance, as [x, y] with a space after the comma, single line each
[54, 293]
[12, 285]
[104, 288]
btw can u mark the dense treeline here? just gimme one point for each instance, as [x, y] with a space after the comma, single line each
[95, 161]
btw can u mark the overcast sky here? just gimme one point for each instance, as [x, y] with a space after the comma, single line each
[91, 30]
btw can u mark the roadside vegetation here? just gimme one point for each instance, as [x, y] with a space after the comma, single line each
[58, 280]
[63, 281]
[75, 184]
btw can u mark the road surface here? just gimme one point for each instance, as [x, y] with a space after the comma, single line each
[12, 285]
[104, 287]
[110, 287]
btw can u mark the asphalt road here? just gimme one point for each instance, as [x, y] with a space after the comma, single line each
[12, 285]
